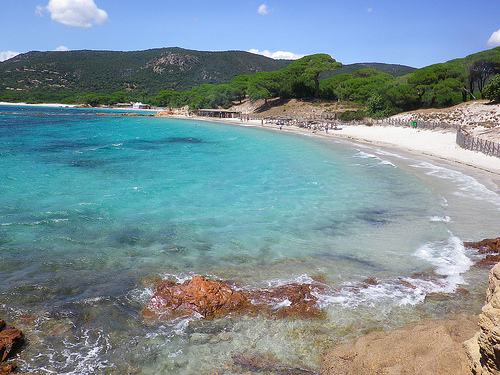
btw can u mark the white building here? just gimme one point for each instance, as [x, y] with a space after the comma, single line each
[139, 105]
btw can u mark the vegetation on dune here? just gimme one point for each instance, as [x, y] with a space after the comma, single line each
[174, 77]
[492, 89]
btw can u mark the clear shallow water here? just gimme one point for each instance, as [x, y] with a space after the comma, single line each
[94, 208]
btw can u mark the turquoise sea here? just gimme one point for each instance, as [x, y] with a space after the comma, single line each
[95, 208]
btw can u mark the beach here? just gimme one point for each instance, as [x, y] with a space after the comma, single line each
[175, 197]
[433, 144]
[422, 345]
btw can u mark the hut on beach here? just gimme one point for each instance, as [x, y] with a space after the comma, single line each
[219, 113]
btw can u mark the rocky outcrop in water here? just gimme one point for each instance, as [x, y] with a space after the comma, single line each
[210, 298]
[11, 340]
[199, 295]
[484, 348]
[429, 347]
[488, 247]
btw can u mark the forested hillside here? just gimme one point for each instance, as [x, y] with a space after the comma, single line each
[380, 93]
[56, 76]
[175, 77]
[438, 85]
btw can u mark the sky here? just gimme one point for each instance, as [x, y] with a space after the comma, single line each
[414, 33]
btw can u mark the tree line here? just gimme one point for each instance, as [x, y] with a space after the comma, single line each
[439, 85]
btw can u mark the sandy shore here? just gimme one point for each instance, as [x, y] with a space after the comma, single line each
[56, 105]
[435, 144]
[424, 144]
[479, 118]
[439, 145]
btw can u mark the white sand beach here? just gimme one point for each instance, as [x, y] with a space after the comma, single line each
[56, 105]
[478, 118]
[439, 144]
[433, 143]
[436, 144]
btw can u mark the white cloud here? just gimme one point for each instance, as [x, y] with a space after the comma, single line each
[7, 55]
[62, 48]
[75, 13]
[369, 10]
[277, 55]
[494, 40]
[263, 9]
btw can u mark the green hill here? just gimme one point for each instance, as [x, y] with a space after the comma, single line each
[112, 76]
[74, 72]
[56, 76]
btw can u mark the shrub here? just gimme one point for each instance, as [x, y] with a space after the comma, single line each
[492, 89]
[352, 115]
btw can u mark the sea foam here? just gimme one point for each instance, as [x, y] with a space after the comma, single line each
[450, 261]
[467, 186]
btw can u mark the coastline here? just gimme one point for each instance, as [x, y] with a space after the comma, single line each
[382, 140]
[437, 145]
[55, 105]
[436, 345]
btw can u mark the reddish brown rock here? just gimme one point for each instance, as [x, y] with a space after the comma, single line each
[11, 339]
[489, 260]
[295, 300]
[490, 247]
[211, 298]
[199, 295]
[486, 246]
[370, 281]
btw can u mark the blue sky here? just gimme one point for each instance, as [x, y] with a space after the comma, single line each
[415, 33]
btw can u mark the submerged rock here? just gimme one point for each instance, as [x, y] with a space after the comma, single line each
[210, 298]
[257, 362]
